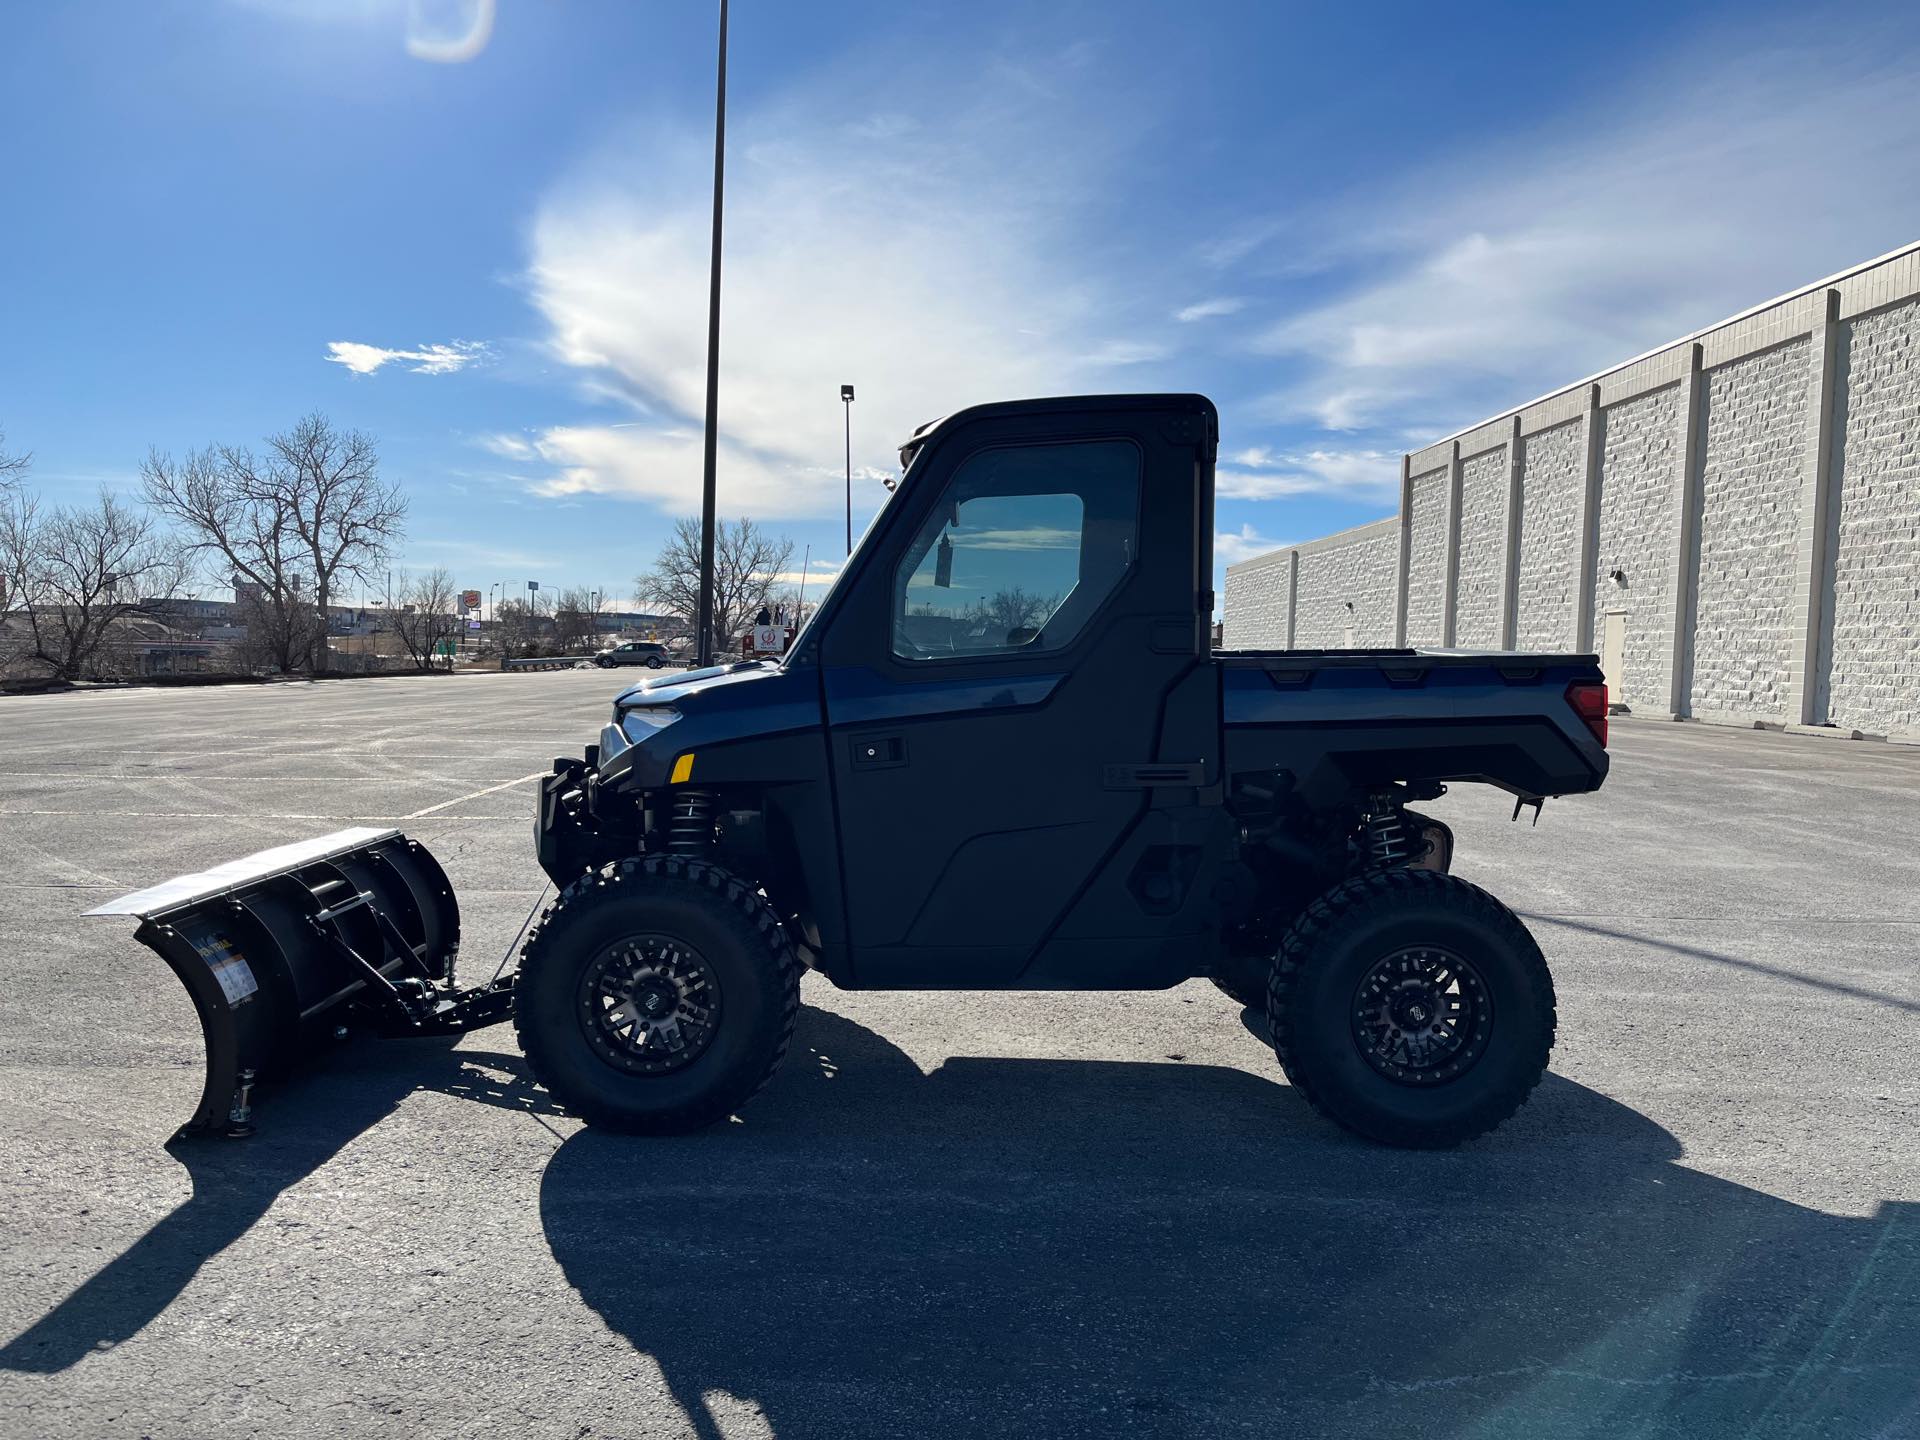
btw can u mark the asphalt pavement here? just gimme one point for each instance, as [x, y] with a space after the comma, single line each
[968, 1214]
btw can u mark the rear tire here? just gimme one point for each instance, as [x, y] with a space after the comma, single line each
[1412, 1008]
[657, 996]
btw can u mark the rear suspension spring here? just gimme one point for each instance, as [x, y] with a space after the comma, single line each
[690, 823]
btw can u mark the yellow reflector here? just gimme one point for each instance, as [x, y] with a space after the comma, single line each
[682, 770]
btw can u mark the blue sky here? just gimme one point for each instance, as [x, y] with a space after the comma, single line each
[481, 235]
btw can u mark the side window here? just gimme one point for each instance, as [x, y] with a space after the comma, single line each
[1023, 546]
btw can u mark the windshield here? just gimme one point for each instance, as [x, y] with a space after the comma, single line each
[814, 607]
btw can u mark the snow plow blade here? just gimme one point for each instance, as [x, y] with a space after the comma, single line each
[294, 944]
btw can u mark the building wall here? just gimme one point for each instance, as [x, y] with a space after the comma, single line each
[1427, 557]
[1640, 444]
[1750, 494]
[1873, 636]
[1356, 567]
[1255, 607]
[1552, 475]
[1483, 548]
[1753, 415]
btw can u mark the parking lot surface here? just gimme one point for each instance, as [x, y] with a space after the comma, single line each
[969, 1215]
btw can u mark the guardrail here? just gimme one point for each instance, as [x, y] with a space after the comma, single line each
[546, 662]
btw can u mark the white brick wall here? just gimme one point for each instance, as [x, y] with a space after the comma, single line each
[1554, 470]
[1483, 550]
[1640, 443]
[1874, 683]
[1753, 423]
[1427, 558]
[1254, 608]
[1357, 567]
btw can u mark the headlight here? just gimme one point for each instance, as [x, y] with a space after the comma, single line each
[643, 721]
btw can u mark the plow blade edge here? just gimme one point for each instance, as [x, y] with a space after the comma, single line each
[285, 947]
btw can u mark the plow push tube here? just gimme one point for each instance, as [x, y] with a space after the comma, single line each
[281, 948]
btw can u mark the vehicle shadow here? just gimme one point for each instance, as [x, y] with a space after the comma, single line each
[306, 1121]
[1025, 1247]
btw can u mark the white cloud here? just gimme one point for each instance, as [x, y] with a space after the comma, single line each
[1260, 473]
[427, 360]
[816, 575]
[659, 465]
[509, 447]
[1210, 309]
[1725, 178]
[1230, 547]
[936, 272]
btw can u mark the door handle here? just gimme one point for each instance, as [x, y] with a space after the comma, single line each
[877, 752]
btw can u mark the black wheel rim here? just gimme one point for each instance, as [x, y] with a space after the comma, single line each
[1422, 1015]
[649, 1004]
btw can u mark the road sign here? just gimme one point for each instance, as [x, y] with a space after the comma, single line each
[469, 599]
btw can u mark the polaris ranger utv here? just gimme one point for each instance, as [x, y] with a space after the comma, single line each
[1001, 755]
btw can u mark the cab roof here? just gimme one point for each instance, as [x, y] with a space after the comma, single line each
[1040, 406]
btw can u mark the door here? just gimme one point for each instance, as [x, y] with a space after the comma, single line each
[1613, 653]
[995, 684]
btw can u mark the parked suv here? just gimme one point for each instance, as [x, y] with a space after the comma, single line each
[650, 653]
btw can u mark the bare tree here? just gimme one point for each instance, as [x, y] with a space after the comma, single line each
[1015, 608]
[232, 514]
[346, 518]
[514, 629]
[428, 618]
[12, 467]
[575, 619]
[288, 527]
[80, 574]
[747, 562]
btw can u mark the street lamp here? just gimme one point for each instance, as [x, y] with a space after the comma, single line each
[846, 404]
[703, 616]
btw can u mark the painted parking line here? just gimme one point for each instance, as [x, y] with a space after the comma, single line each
[449, 804]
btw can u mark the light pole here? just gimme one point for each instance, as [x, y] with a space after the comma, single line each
[703, 617]
[846, 404]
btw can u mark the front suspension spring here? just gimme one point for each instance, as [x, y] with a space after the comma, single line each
[1386, 834]
[690, 824]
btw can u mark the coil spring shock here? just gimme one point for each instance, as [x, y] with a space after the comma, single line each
[1385, 829]
[690, 825]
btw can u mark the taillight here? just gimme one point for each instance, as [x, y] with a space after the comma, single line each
[1589, 701]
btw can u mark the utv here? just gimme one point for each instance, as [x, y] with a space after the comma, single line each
[1000, 755]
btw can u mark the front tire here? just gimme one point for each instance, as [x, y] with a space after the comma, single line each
[657, 996]
[604, 663]
[1412, 1008]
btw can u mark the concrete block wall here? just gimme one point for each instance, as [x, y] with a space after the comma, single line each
[1481, 565]
[1345, 594]
[1639, 501]
[1429, 502]
[1753, 426]
[1552, 478]
[1872, 634]
[1257, 609]
[1746, 499]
